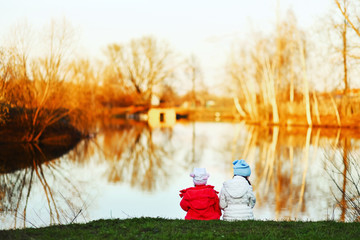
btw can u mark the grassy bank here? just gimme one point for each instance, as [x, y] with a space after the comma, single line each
[159, 228]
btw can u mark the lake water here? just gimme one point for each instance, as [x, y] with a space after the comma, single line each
[131, 170]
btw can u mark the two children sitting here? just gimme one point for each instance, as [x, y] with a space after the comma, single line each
[236, 199]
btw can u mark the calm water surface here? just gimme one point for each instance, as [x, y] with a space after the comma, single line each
[134, 171]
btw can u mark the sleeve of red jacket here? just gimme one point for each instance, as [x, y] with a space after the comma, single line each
[184, 204]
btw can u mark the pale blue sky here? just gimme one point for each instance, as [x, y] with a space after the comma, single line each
[205, 28]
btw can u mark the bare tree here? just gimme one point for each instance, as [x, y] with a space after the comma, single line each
[351, 20]
[142, 64]
[84, 94]
[193, 72]
[49, 75]
[267, 76]
[348, 31]
[35, 86]
[21, 42]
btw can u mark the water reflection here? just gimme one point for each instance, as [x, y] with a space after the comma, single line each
[290, 171]
[293, 171]
[136, 154]
[27, 169]
[281, 167]
[343, 168]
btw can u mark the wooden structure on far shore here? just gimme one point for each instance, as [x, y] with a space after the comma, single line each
[167, 116]
[161, 117]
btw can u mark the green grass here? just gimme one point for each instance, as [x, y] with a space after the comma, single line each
[159, 228]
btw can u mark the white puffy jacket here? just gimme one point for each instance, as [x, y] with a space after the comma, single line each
[237, 199]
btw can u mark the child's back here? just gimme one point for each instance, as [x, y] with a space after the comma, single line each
[201, 202]
[236, 197]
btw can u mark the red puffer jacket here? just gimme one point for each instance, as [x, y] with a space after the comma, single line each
[201, 203]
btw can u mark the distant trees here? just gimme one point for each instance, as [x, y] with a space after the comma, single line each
[269, 76]
[346, 29]
[49, 73]
[45, 86]
[272, 77]
[350, 12]
[83, 88]
[169, 96]
[268, 72]
[33, 84]
[141, 65]
[194, 74]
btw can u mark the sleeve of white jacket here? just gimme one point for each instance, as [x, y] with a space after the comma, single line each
[222, 199]
[252, 198]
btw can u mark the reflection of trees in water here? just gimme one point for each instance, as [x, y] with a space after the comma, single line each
[137, 154]
[196, 150]
[24, 168]
[83, 151]
[281, 158]
[343, 167]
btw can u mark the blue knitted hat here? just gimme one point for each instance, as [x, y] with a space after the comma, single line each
[241, 168]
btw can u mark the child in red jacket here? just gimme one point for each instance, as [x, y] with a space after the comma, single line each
[201, 201]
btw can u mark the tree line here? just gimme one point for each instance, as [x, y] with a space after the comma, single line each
[277, 76]
[271, 78]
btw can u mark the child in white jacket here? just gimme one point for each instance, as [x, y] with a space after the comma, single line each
[236, 196]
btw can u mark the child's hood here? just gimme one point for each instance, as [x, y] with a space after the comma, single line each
[195, 191]
[237, 187]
